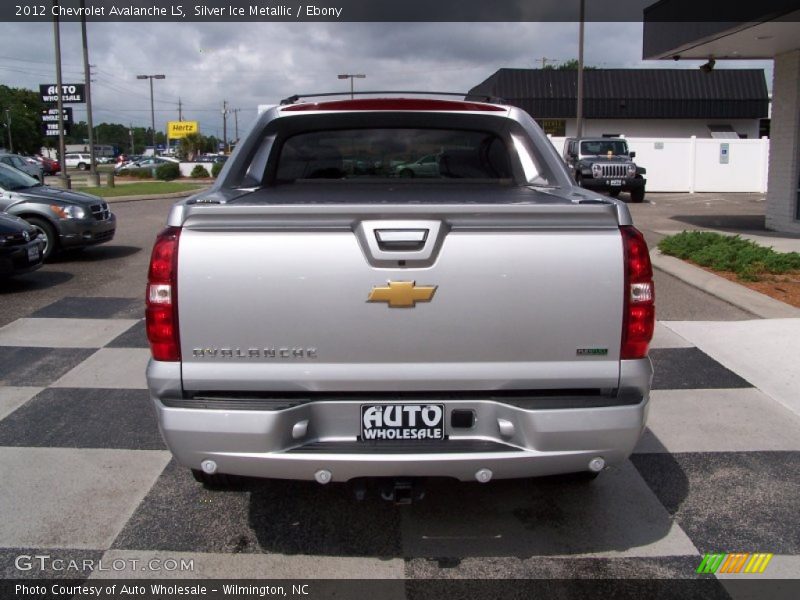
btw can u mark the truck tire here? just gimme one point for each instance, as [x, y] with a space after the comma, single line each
[613, 193]
[82, 166]
[637, 195]
[48, 231]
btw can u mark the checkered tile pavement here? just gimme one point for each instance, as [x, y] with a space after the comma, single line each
[86, 475]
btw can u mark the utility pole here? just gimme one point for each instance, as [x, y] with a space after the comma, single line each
[130, 131]
[235, 112]
[8, 126]
[60, 102]
[225, 126]
[180, 109]
[546, 60]
[579, 113]
[87, 75]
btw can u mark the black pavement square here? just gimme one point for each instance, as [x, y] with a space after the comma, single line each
[84, 418]
[27, 366]
[731, 501]
[135, 337]
[259, 516]
[690, 369]
[89, 307]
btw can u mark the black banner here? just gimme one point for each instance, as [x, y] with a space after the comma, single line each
[214, 11]
[71, 93]
[700, 588]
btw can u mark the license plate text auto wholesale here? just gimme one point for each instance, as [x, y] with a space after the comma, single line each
[402, 422]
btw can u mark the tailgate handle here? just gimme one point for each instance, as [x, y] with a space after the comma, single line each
[401, 239]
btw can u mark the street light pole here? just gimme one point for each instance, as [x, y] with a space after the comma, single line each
[60, 98]
[8, 126]
[351, 77]
[579, 113]
[88, 76]
[152, 106]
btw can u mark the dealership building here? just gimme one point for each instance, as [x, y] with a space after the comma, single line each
[770, 31]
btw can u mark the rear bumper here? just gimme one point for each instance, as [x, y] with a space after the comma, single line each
[604, 184]
[260, 442]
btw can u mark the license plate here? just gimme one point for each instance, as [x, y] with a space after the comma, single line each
[386, 422]
[33, 253]
[615, 183]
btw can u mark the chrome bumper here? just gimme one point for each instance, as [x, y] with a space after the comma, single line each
[262, 443]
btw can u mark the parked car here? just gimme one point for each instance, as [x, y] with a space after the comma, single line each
[76, 160]
[49, 166]
[66, 219]
[104, 160]
[507, 311]
[34, 169]
[144, 163]
[21, 246]
[211, 158]
[427, 166]
[605, 165]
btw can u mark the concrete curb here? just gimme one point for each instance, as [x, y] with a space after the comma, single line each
[754, 302]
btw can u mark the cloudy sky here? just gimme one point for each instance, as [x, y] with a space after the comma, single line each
[249, 64]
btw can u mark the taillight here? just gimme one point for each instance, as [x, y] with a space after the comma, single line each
[162, 297]
[639, 318]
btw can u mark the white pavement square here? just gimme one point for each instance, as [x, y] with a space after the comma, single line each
[11, 398]
[741, 420]
[63, 333]
[67, 498]
[666, 338]
[247, 566]
[765, 352]
[118, 368]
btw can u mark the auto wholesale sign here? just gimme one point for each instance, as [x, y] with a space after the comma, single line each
[51, 115]
[180, 129]
[72, 93]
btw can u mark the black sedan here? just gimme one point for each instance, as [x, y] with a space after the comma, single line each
[21, 246]
[66, 219]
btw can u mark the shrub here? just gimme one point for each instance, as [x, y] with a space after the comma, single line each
[215, 169]
[138, 173]
[729, 253]
[168, 171]
[199, 172]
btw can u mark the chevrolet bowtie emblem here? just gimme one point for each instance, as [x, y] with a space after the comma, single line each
[402, 294]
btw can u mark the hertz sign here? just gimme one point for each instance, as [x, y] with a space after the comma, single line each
[180, 129]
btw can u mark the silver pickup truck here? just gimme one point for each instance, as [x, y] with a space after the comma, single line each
[316, 316]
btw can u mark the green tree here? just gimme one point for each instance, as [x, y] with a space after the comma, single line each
[568, 65]
[192, 145]
[25, 115]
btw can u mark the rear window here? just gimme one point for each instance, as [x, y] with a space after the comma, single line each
[412, 154]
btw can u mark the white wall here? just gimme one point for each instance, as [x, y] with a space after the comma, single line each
[678, 128]
[693, 165]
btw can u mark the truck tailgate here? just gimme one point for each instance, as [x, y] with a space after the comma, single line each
[276, 298]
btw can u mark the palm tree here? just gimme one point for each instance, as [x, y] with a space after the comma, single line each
[191, 145]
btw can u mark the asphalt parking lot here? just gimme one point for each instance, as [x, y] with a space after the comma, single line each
[86, 476]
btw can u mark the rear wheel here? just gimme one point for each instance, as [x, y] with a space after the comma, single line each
[637, 195]
[82, 166]
[47, 231]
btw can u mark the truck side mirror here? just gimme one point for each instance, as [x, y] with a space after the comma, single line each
[632, 154]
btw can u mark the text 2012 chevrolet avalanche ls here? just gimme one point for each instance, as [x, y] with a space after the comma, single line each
[315, 316]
